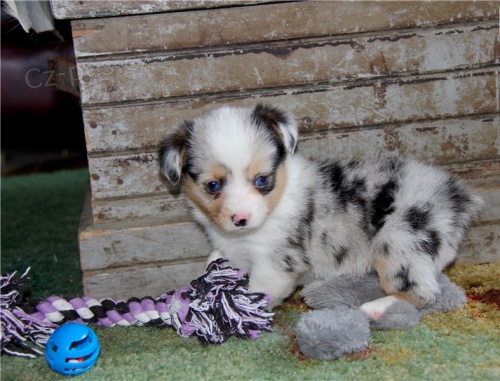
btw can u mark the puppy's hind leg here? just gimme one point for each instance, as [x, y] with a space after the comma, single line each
[404, 278]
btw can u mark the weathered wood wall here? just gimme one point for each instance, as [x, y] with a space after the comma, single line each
[405, 78]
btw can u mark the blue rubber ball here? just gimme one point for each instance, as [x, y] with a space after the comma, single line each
[72, 349]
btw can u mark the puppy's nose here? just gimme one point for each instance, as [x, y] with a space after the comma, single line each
[240, 219]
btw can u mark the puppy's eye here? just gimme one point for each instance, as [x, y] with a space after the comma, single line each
[213, 186]
[261, 181]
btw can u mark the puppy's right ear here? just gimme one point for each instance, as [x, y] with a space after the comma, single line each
[173, 152]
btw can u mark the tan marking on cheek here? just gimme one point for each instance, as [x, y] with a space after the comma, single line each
[256, 168]
[216, 211]
[194, 195]
[281, 180]
[212, 208]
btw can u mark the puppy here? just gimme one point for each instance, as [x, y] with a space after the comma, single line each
[287, 220]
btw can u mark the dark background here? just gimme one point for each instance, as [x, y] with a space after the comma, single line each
[41, 126]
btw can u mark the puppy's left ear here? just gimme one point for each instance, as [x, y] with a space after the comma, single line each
[280, 122]
[173, 152]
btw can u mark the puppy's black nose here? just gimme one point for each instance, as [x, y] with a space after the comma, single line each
[241, 222]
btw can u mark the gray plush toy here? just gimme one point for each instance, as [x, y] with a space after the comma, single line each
[337, 326]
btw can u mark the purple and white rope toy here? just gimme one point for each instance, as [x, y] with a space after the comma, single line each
[215, 306]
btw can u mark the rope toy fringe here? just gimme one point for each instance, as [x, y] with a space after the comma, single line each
[215, 306]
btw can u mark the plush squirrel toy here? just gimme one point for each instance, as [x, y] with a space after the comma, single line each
[336, 326]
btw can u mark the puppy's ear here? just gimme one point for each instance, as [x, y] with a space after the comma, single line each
[278, 120]
[173, 152]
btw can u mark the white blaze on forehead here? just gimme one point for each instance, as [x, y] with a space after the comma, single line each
[226, 136]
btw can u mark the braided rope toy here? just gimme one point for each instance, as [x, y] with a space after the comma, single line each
[215, 306]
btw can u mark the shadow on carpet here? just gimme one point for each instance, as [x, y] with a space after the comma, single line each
[40, 216]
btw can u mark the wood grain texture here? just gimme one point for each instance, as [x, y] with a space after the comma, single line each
[173, 236]
[140, 281]
[266, 23]
[384, 101]
[163, 206]
[118, 246]
[372, 79]
[151, 76]
[481, 245]
[438, 141]
[72, 9]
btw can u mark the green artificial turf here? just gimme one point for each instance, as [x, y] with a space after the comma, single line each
[40, 216]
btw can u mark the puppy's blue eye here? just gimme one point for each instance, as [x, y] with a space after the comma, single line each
[261, 181]
[213, 186]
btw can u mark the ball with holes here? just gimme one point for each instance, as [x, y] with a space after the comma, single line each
[72, 349]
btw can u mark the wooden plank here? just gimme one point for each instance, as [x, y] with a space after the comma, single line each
[117, 246]
[161, 207]
[72, 9]
[481, 244]
[142, 126]
[157, 76]
[439, 141]
[265, 23]
[479, 173]
[140, 281]
[491, 196]
[166, 206]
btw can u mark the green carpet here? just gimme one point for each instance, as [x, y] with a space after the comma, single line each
[40, 216]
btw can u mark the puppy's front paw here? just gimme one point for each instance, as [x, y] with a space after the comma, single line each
[214, 255]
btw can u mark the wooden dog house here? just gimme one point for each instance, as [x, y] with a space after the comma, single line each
[370, 79]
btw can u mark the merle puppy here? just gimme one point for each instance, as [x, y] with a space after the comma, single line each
[287, 220]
